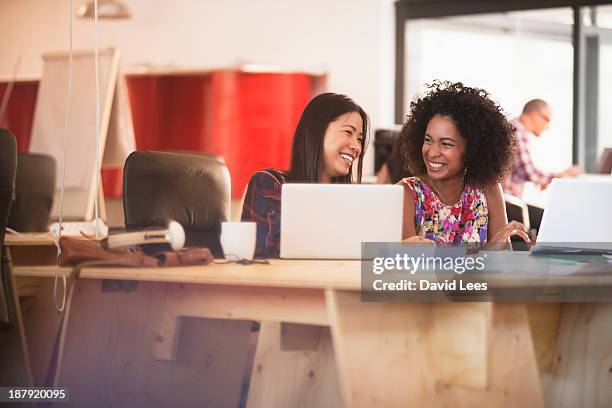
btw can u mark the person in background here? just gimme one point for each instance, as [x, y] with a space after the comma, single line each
[394, 169]
[459, 144]
[534, 120]
[329, 141]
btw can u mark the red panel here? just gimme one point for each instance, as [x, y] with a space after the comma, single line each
[112, 181]
[253, 118]
[144, 103]
[20, 111]
[169, 111]
[246, 118]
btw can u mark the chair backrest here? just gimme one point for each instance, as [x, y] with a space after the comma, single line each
[517, 210]
[605, 162]
[8, 166]
[34, 188]
[189, 188]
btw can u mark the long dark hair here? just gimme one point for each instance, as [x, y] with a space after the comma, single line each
[307, 150]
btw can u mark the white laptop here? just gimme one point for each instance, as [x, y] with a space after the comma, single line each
[578, 216]
[330, 221]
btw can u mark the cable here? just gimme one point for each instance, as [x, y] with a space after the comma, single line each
[97, 166]
[66, 124]
[60, 308]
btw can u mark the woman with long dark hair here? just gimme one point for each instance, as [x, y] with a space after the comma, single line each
[329, 140]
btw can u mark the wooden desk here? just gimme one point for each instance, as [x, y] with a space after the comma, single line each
[126, 336]
[31, 249]
[29, 239]
[129, 335]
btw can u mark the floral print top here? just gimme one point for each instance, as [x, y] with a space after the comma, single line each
[465, 222]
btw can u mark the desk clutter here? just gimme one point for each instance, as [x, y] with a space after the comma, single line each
[95, 228]
[125, 249]
[89, 252]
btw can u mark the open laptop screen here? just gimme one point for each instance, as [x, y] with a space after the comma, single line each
[578, 215]
[330, 221]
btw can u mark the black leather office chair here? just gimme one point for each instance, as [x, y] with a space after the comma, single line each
[13, 362]
[8, 166]
[197, 153]
[34, 188]
[193, 189]
[189, 188]
[517, 210]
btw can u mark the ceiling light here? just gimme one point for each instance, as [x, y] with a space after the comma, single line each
[107, 9]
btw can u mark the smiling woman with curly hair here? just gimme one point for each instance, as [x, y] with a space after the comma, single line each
[459, 144]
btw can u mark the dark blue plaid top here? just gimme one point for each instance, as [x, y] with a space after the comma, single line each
[262, 204]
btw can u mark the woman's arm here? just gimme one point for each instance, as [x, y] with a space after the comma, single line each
[408, 227]
[262, 205]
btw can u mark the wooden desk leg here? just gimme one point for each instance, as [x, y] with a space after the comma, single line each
[544, 324]
[386, 355]
[305, 378]
[42, 323]
[582, 371]
[15, 368]
[107, 352]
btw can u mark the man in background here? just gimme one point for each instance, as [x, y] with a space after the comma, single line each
[533, 120]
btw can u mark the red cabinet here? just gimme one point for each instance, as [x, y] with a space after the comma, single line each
[246, 118]
[20, 111]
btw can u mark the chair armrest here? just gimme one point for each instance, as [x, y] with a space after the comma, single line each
[513, 200]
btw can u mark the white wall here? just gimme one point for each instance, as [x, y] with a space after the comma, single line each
[351, 40]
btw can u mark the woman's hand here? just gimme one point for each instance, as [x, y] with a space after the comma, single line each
[509, 230]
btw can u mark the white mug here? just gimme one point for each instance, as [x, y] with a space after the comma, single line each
[238, 240]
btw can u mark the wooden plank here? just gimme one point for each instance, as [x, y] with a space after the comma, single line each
[544, 324]
[34, 255]
[582, 371]
[107, 352]
[298, 379]
[380, 338]
[278, 273]
[15, 368]
[43, 271]
[29, 239]
[460, 342]
[314, 274]
[42, 322]
[26, 286]
[233, 302]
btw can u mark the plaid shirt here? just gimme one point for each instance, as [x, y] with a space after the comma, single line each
[262, 204]
[523, 168]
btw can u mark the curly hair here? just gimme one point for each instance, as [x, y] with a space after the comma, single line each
[480, 121]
